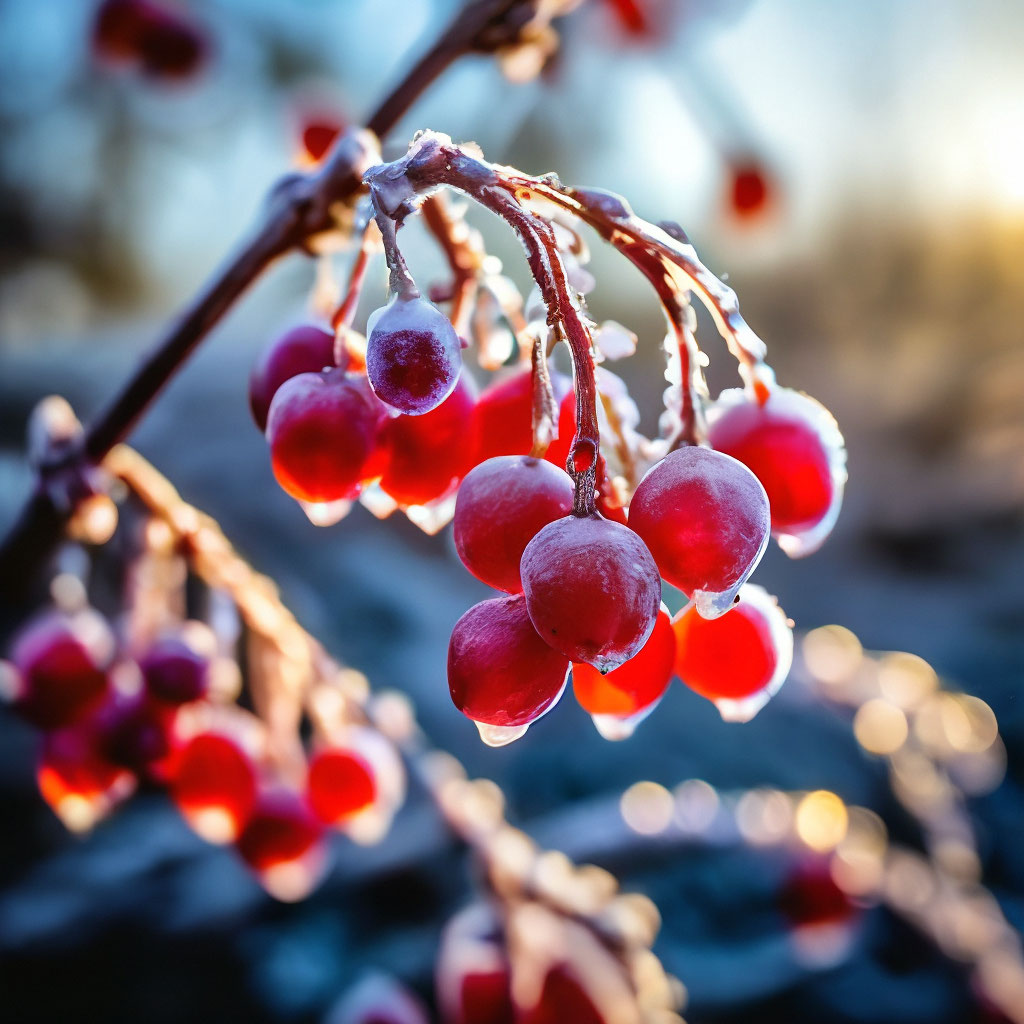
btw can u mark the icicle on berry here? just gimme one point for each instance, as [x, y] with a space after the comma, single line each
[175, 672]
[303, 349]
[792, 444]
[622, 699]
[503, 418]
[322, 429]
[213, 785]
[427, 455]
[500, 672]
[77, 780]
[705, 518]
[61, 664]
[283, 843]
[592, 589]
[413, 356]
[501, 506]
[738, 660]
[473, 980]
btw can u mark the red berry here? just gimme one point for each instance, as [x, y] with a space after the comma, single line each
[426, 456]
[503, 418]
[170, 47]
[413, 356]
[75, 778]
[161, 40]
[305, 349]
[632, 16]
[283, 842]
[592, 589]
[705, 518]
[558, 450]
[61, 663]
[473, 979]
[118, 29]
[340, 784]
[501, 506]
[738, 660]
[213, 785]
[175, 672]
[319, 133]
[137, 733]
[500, 672]
[322, 430]
[749, 192]
[637, 684]
[811, 896]
[563, 999]
[793, 446]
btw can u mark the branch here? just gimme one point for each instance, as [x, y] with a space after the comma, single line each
[300, 207]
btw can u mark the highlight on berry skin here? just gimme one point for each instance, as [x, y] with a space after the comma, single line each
[738, 660]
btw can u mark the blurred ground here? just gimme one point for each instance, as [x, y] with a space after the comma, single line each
[887, 283]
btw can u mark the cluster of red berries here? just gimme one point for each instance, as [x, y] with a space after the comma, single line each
[332, 436]
[111, 723]
[582, 592]
[161, 40]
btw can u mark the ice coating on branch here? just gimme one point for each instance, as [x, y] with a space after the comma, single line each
[706, 520]
[793, 445]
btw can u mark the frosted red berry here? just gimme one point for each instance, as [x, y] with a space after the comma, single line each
[635, 685]
[413, 356]
[136, 733]
[322, 430]
[175, 672]
[500, 672]
[339, 785]
[592, 589]
[501, 506]
[793, 446]
[283, 843]
[303, 349]
[705, 518]
[213, 785]
[738, 660]
[76, 779]
[61, 664]
[424, 457]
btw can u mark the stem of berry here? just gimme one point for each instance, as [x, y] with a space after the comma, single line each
[401, 281]
[434, 161]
